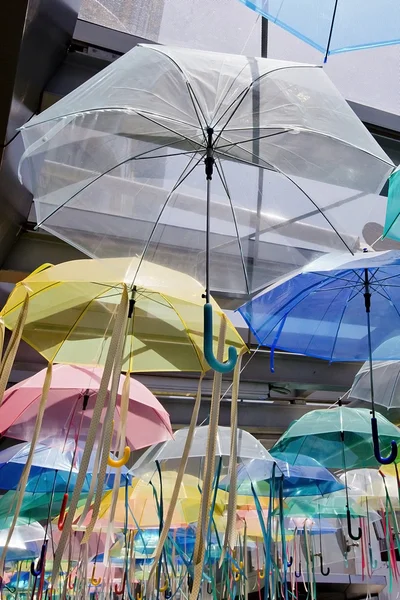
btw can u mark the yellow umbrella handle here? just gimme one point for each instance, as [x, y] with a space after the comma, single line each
[117, 464]
[236, 576]
[260, 574]
[165, 586]
[93, 580]
[235, 569]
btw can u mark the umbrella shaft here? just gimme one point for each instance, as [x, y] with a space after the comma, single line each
[367, 300]
[209, 163]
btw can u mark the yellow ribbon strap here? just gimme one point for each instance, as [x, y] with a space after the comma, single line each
[28, 464]
[178, 480]
[208, 473]
[94, 424]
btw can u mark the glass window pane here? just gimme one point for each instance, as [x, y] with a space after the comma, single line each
[217, 25]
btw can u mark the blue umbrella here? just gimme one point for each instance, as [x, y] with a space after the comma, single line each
[54, 469]
[306, 478]
[335, 26]
[338, 308]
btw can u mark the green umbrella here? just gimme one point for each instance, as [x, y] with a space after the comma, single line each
[331, 506]
[338, 438]
[35, 506]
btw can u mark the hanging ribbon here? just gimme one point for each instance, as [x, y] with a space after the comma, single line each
[27, 467]
[12, 347]
[208, 473]
[230, 531]
[124, 405]
[118, 331]
[178, 480]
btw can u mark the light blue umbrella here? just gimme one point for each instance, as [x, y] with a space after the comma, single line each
[338, 308]
[306, 478]
[54, 468]
[335, 26]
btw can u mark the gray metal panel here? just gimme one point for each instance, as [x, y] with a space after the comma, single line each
[34, 38]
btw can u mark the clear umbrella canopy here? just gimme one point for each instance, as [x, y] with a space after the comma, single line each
[25, 531]
[386, 376]
[116, 168]
[373, 486]
[168, 454]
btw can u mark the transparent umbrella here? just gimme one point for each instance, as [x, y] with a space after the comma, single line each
[336, 25]
[386, 376]
[117, 167]
[169, 453]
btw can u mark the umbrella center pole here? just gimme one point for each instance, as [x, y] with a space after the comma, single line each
[209, 162]
[367, 303]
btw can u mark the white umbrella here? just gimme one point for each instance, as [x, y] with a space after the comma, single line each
[117, 166]
[23, 533]
[386, 384]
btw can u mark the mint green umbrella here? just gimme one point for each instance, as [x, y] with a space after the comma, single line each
[331, 506]
[338, 438]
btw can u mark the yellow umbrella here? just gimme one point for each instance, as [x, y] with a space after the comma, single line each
[72, 311]
[143, 511]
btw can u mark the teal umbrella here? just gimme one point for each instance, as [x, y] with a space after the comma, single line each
[339, 438]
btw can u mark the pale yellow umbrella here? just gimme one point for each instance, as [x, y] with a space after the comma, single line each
[72, 310]
[123, 314]
[143, 511]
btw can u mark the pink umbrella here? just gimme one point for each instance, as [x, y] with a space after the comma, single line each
[70, 406]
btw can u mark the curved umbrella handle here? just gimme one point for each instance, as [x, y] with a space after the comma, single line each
[119, 591]
[62, 515]
[298, 574]
[121, 462]
[235, 569]
[375, 438]
[321, 565]
[164, 587]
[96, 582]
[71, 585]
[290, 562]
[221, 367]
[36, 572]
[351, 535]
[260, 574]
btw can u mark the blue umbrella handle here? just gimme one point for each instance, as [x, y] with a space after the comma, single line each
[351, 535]
[36, 572]
[321, 565]
[290, 562]
[298, 574]
[372, 560]
[377, 451]
[221, 367]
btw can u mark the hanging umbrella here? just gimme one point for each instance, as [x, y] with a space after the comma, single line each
[392, 222]
[72, 311]
[117, 167]
[339, 308]
[69, 409]
[336, 26]
[339, 438]
[35, 505]
[309, 479]
[168, 454]
[386, 375]
[25, 531]
[53, 469]
[331, 506]
[373, 486]
[144, 504]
